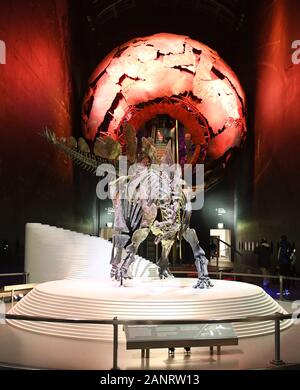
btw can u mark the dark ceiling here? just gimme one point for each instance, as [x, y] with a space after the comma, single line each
[212, 21]
[228, 12]
[99, 26]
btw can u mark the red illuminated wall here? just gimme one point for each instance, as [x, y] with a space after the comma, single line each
[275, 208]
[36, 181]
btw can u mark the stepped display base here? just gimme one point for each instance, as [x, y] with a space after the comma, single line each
[173, 298]
[81, 347]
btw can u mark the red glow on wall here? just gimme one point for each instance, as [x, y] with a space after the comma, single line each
[36, 181]
[35, 83]
[277, 119]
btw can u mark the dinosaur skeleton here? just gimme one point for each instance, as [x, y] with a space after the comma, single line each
[139, 199]
[151, 198]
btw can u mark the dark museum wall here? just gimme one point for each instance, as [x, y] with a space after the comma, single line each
[50, 55]
[274, 208]
[53, 46]
[37, 183]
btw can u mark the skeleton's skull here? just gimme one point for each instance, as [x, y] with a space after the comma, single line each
[167, 74]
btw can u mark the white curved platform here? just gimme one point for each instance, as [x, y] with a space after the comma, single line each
[173, 298]
[53, 253]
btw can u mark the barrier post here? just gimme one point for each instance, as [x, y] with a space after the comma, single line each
[116, 344]
[277, 361]
[281, 287]
[12, 298]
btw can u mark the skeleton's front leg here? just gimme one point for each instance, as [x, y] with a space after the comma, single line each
[200, 260]
[119, 242]
[137, 238]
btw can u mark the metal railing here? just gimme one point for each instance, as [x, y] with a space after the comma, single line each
[115, 322]
[220, 275]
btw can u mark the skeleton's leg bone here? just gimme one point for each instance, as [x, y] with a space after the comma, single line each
[119, 242]
[191, 237]
[200, 260]
[137, 238]
[163, 262]
[119, 221]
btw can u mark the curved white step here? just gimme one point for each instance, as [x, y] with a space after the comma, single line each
[142, 299]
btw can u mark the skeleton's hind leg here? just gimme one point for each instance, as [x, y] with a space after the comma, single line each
[200, 260]
[119, 242]
[163, 262]
[137, 238]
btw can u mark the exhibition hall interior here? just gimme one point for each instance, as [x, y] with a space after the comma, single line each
[149, 163]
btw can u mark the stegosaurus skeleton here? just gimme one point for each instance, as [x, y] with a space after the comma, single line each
[138, 200]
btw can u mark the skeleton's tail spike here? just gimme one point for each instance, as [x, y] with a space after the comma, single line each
[49, 135]
[83, 158]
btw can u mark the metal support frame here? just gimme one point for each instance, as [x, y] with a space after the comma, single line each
[147, 350]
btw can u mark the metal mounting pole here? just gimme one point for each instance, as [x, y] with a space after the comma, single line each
[12, 298]
[116, 344]
[281, 287]
[177, 162]
[176, 142]
[277, 361]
